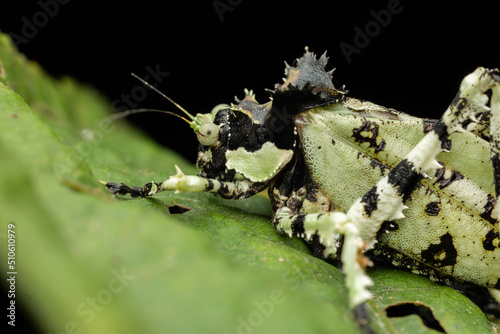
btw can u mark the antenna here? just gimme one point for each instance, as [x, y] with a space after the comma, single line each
[126, 113]
[165, 96]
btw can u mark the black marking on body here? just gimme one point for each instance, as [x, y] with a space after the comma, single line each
[312, 191]
[295, 202]
[444, 182]
[458, 102]
[489, 238]
[244, 133]
[495, 161]
[388, 255]
[370, 200]
[386, 227]
[292, 180]
[371, 127]
[428, 125]
[404, 178]
[298, 224]
[224, 187]
[251, 125]
[375, 163]
[385, 254]
[293, 177]
[446, 145]
[318, 249]
[433, 208]
[123, 189]
[390, 226]
[488, 209]
[442, 254]
[441, 130]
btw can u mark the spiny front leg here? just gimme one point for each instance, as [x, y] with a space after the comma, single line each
[191, 183]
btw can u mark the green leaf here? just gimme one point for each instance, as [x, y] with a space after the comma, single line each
[86, 260]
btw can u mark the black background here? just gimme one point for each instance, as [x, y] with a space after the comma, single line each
[414, 64]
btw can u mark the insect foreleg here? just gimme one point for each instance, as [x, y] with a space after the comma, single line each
[191, 183]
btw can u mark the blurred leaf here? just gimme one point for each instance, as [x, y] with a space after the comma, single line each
[88, 261]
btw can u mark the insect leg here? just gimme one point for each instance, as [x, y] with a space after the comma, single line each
[328, 226]
[384, 202]
[191, 183]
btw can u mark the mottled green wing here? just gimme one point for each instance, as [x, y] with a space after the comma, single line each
[349, 146]
[348, 150]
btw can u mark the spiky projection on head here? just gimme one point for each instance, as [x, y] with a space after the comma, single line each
[305, 85]
[249, 105]
[309, 73]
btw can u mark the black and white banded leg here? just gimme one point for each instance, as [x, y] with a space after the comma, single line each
[191, 183]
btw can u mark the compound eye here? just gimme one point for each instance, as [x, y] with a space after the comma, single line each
[208, 134]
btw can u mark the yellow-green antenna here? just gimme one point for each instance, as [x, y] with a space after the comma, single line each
[165, 96]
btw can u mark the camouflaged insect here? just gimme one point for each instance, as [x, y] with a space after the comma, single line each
[342, 171]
